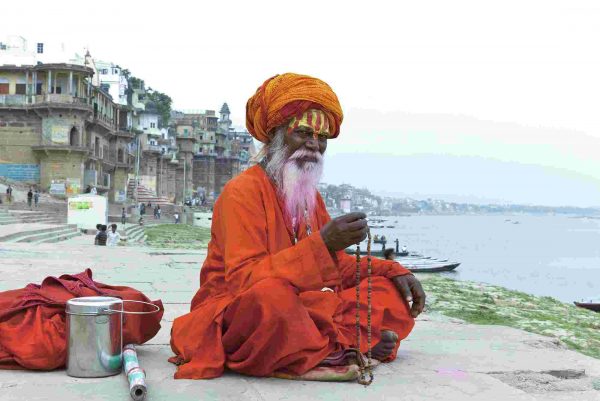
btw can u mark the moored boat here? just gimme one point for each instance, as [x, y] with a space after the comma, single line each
[593, 306]
[433, 268]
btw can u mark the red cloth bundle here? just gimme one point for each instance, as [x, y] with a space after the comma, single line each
[33, 319]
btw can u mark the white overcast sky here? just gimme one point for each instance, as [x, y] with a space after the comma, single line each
[469, 100]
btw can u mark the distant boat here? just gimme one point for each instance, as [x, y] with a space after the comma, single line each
[593, 306]
[433, 269]
[376, 226]
[390, 226]
[377, 253]
[414, 262]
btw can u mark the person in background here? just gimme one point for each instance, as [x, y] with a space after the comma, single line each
[113, 236]
[158, 211]
[101, 237]
[98, 226]
[36, 197]
[123, 216]
[176, 216]
[88, 189]
[404, 249]
[93, 191]
[29, 197]
[389, 254]
[9, 194]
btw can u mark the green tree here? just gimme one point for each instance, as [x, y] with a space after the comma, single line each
[163, 104]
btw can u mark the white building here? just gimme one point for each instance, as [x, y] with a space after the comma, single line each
[19, 51]
[113, 81]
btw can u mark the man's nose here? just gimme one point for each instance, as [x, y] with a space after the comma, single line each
[312, 143]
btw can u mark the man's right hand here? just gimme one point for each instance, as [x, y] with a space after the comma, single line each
[344, 231]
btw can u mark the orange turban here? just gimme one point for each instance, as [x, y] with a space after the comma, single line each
[288, 95]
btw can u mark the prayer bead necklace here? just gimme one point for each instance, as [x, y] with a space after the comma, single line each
[368, 369]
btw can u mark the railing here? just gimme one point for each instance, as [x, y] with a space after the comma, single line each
[64, 99]
[13, 100]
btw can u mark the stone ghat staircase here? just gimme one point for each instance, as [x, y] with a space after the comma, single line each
[34, 227]
[145, 195]
[135, 234]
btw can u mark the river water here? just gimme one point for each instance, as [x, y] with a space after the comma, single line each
[557, 256]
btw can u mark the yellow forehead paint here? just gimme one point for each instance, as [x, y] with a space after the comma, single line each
[314, 119]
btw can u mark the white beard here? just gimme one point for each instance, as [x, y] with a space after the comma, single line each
[296, 184]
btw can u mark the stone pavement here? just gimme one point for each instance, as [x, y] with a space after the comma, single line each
[444, 359]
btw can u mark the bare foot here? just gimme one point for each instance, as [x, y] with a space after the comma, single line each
[386, 346]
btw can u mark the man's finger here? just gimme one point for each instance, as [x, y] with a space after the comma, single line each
[358, 236]
[419, 299]
[356, 225]
[350, 217]
[403, 287]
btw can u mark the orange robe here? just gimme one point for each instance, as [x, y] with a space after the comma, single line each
[260, 307]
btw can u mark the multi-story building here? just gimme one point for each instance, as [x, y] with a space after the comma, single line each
[61, 132]
[217, 151]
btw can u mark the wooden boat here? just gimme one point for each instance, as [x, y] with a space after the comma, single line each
[433, 268]
[378, 253]
[594, 306]
[414, 262]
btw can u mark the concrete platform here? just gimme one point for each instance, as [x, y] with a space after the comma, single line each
[444, 359]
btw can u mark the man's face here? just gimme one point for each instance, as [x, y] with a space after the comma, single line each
[309, 132]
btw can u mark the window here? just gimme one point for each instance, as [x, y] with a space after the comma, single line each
[20, 89]
[40, 48]
[104, 71]
[152, 125]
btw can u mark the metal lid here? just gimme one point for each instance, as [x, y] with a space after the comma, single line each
[93, 305]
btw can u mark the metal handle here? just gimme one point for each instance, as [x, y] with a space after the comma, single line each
[135, 313]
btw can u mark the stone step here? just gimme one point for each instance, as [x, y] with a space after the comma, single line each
[9, 221]
[58, 238]
[22, 230]
[47, 236]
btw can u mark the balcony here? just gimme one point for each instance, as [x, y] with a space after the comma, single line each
[103, 121]
[153, 149]
[47, 100]
[124, 132]
[13, 100]
[60, 148]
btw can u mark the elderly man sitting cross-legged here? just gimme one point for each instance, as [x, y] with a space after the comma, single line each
[277, 295]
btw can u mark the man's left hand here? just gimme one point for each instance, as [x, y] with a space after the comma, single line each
[411, 290]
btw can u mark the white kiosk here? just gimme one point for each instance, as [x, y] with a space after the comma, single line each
[87, 210]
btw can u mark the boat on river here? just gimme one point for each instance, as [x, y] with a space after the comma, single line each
[415, 262]
[593, 306]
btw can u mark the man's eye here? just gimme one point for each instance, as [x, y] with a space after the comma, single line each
[304, 134]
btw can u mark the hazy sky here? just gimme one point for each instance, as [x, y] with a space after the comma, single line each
[470, 100]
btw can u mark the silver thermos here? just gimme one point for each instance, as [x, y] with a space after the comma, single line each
[94, 336]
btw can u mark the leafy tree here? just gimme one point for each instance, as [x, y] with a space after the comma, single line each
[163, 104]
